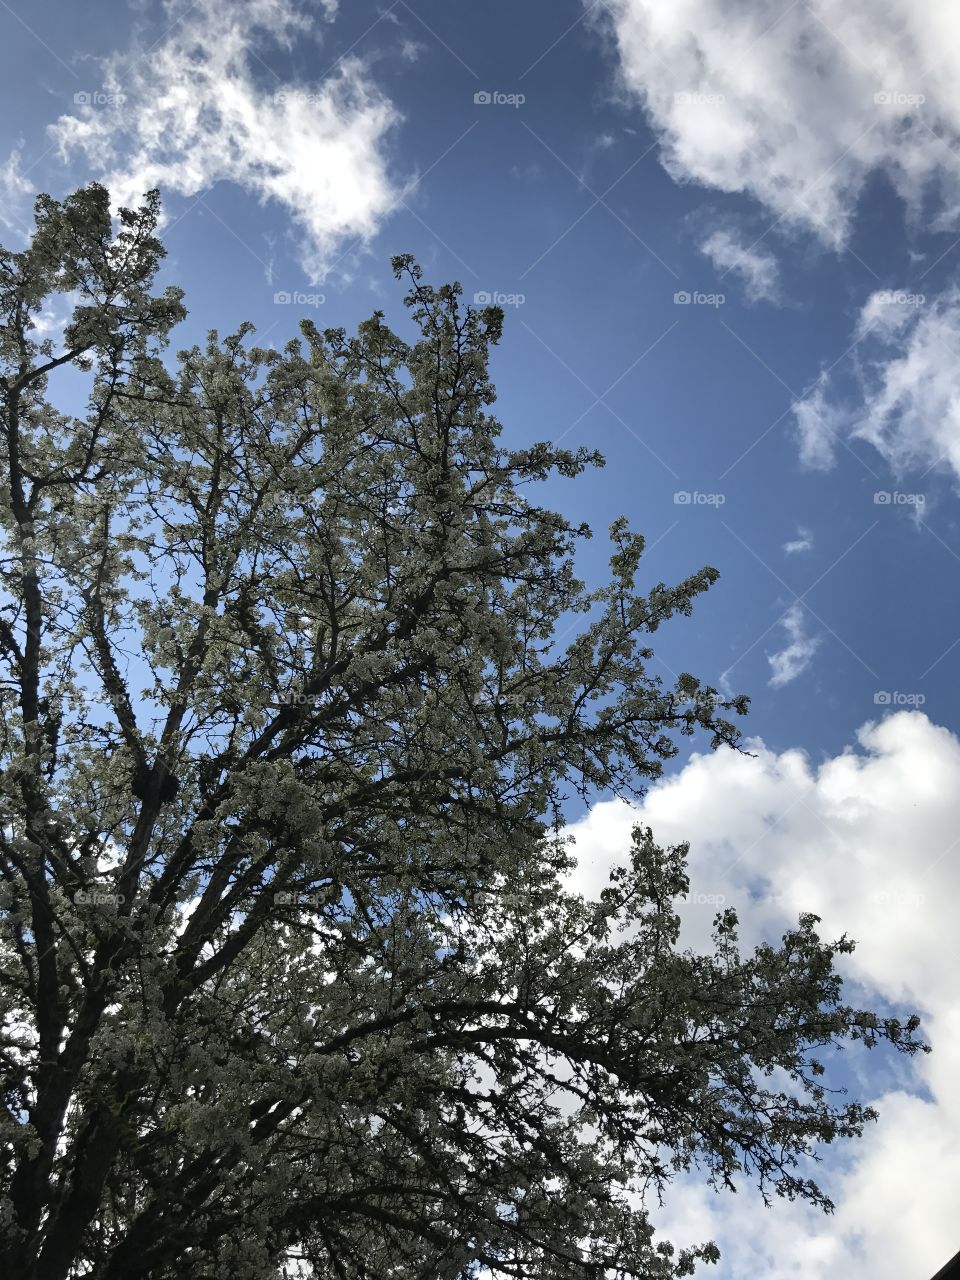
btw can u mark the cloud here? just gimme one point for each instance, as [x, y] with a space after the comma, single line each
[15, 191]
[911, 380]
[793, 660]
[819, 424]
[757, 267]
[908, 373]
[868, 841]
[197, 109]
[796, 105]
[802, 542]
[410, 50]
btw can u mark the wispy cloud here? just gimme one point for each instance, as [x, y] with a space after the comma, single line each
[755, 265]
[819, 423]
[199, 108]
[14, 192]
[908, 370]
[796, 657]
[802, 542]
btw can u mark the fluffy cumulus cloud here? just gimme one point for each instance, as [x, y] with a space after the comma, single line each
[796, 104]
[795, 657]
[868, 841]
[908, 401]
[755, 265]
[202, 107]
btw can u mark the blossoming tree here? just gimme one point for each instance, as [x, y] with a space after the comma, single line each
[292, 980]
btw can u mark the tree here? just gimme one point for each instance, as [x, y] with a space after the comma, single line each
[290, 974]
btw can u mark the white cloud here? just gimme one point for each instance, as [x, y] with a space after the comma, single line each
[410, 50]
[908, 368]
[802, 542]
[794, 659]
[819, 424]
[14, 192]
[199, 108]
[797, 104]
[755, 265]
[54, 316]
[868, 841]
[911, 410]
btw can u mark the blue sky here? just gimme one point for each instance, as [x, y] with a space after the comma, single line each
[793, 172]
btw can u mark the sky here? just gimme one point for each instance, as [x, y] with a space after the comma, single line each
[726, 236]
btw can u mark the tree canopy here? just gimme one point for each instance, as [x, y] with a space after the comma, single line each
[293, 980]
